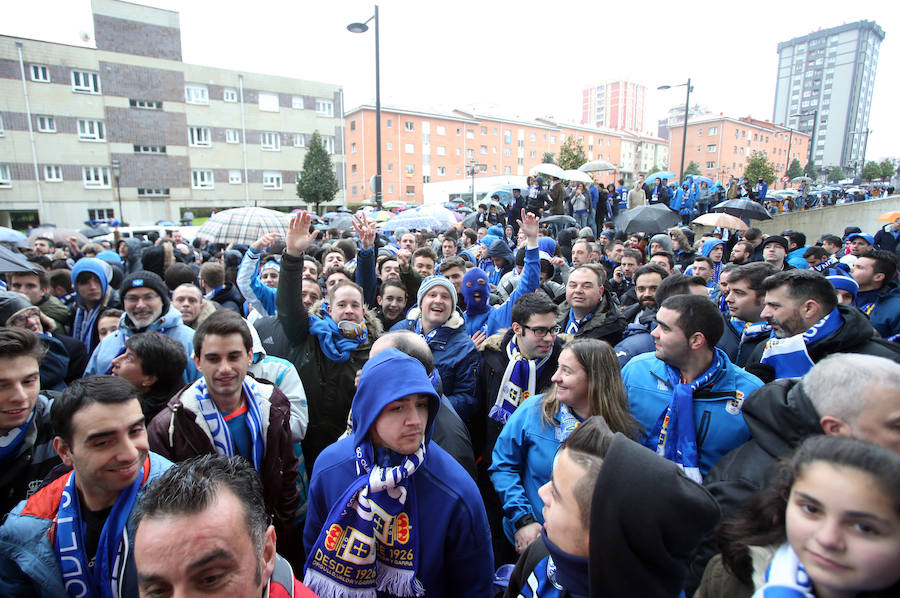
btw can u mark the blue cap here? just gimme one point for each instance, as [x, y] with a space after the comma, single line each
[867, 238]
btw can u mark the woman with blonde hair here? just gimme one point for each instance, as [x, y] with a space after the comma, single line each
[587, 382]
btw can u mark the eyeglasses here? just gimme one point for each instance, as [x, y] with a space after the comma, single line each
[22, 318]
[541, 332]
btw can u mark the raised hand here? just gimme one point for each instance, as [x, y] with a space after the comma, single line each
[366, 231]
[403, 258]
[299, 238]
[264, 241]
[530, 225]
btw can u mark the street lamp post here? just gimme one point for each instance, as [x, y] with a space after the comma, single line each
[361, 28]
[117, 170]
[687, 105]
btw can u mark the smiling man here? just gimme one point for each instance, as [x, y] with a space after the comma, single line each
[589, 310]
[389, 510]
[76, 528]
[227, 412]
[147, 307]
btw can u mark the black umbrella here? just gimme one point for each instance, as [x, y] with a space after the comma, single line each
[469, 221]
[95, 231]
[10, 261]
[743, 208]
[652, 219]
[559, 219]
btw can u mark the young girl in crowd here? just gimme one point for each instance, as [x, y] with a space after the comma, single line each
[827, 527]
[587, 382]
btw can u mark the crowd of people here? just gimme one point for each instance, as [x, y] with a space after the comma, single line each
[541, 411]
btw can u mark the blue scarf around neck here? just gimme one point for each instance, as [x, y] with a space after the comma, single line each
[334, 344]
[674, 436]
[218, 428]
[789, 356]
[786, 577]
[519, 381]
[12, 441]
[112, 550]
[574, 324]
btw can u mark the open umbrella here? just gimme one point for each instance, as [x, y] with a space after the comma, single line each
[651, 219]
[801, 179]
[243, 225]
[663, 174]
[342, 222]
[702, 179]
[59, 235]
[721, 220]
[490, 202]
[10, 261]
[95, 231]
[559, 219]
[549, 169]
[382, 215]
[743, 208]
[596, 166]
[394, 205]
[413, 221]
[444, 216]
[469, 220]
[889, 216]
[578, 176]
[11, 235]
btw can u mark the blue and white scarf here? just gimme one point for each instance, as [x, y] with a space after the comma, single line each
[786, 577]
[568, 421]
[104, 580]
[677, 420]
[829, 263]
[428, 336]
[518, 382]
[574, 324]
[336, 344]
[83, 327]
[370, 541]
[789, 356]
[12, 441]
[754, 330]
[221, 435]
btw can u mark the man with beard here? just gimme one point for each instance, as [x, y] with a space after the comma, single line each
[808, 325]
[147, 307]
[741, 252]
[641, 316]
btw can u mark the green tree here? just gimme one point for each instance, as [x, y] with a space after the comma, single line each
[571, 154]
[759, 167]
[871, 171]
[810, 170]
[887, 169]
[836, 174]
[795, 169]
[692, 168]
[549, 158]
[317, 184]
[652, 170]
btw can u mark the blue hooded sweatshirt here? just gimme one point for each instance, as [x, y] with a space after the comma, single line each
[499, 249]
[708, 246]
[454, 543]
[83, 326]
[480, 315]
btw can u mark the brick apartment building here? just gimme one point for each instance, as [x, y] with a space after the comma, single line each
[184, 136]
[722, 145]
[617, 105]
[422, 147]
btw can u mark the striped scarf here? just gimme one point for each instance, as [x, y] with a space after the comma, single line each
[518, 382]
[221, 435]
[789, 356]
[786, 577]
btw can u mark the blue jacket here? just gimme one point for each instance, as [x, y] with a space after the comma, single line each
[258, 295]
[456, 359]
[28, 562]
[522, 462]
[500, 316]
[455, 556]
[796, 259]
[886, 314]
[169, 324]
[717, 407]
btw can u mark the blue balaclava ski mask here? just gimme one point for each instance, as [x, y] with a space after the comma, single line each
[476, 291]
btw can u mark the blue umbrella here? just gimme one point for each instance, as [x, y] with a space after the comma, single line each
[666, 174]
[702, 179]
[11, 235]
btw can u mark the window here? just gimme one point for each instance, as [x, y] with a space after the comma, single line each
[202, 179]
[353, 148]
[234, 177]
[1, 125]
[426, 179]
[230, 95]
[353, 191]
[553, 139]
[5, 178]
[389, 146]
[700, 132]
[270, 141]
[441, 150]
[710, 149]
[484, 130]
[353, 169]
[409, 126]
[100, 214]
[458, 152]
[85, 82]
[507, 170]
[483, 150]
[441, 130]
[95, 177]
[507, 152]
[299, 140]
[268, 102]
[710, 165]
[390, 167]
[390, 123]
[532, 137]
[328, 143]
[324, 108]
[90, 130]
[409, 148]
[145, 104]
[149, 149]
[441, 171]
[470, 134]
[53, 174]
[297, 103]
[40, 73]
[196, 94]
[390, 189]
[410, 189]
[410, 169]
[46, 124]
[145, 192]
[271, 180]
[470, 153]
[352, 125]
[232, 136]
[199, 137]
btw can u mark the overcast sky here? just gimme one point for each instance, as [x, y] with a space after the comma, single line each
[524, 58]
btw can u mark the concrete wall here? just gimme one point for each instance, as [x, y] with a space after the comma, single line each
[815, 223]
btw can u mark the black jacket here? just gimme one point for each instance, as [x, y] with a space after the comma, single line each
[780, 416]
[856, 336]
[230, 298]
[743, 350]
[607, 324]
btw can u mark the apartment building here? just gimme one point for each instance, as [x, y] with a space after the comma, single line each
[420, 147]
[722, 145]
[85, 130]
[617, 105]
